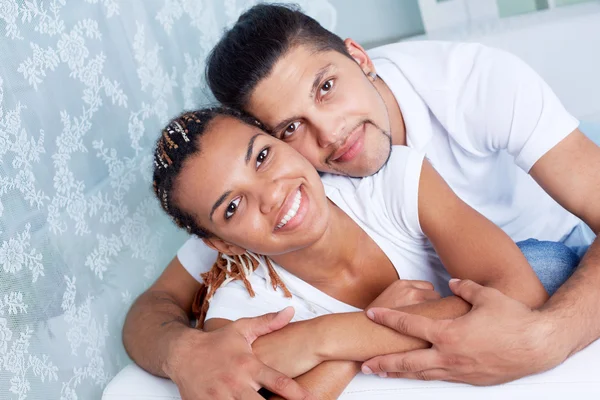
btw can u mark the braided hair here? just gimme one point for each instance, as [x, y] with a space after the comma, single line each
[178, 141]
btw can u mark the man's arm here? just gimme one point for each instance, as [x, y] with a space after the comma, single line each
[472, 247]
[570, 173]
[505, 340]
[217, 365]
[160, 315]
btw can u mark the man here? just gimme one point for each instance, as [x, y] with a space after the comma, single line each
[485, 121]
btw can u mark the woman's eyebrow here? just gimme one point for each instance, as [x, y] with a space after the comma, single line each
[219, 202]
[227, 193]
[251, 147]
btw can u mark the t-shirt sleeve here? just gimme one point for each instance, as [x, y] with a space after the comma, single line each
[233, 301]
[500, 103]
[398, 186]
[196, 257]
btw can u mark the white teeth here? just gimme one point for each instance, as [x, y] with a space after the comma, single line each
[292, 211]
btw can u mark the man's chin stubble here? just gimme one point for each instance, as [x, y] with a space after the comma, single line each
[388, 136]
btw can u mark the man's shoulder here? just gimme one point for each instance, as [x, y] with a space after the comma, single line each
[423, 49]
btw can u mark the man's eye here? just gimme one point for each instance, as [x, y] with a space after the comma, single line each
[289, 131]
[262, 156]
[326, 87]
[232, 208]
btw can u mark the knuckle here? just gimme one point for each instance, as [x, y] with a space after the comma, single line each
[243, 361]
[400, 324]
[447, 338]
[453, 361]
[211, 391]
[405, 366]
[423, 375]
[444, 335]
[281, 382]
[226, 380]
[379, 366]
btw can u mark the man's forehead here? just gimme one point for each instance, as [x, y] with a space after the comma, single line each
[292, 81]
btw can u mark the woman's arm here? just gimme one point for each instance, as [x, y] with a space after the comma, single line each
[327, 380]
[472, 247]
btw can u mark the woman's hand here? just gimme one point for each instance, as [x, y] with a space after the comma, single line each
[405, 293]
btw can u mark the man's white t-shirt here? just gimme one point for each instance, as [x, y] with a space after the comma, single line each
[385, 206]
[483, 118]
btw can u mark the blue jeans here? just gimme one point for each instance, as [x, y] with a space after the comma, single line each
[554, 262]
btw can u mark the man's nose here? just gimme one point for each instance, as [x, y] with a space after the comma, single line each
[330, 130]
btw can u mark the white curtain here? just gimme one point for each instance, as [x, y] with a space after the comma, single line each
[85, 86]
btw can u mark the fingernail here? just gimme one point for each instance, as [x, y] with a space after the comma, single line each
[454, 280]
[370, 314]
[383, 374]
[366, 370]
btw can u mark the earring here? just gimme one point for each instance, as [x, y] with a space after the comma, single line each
[372, 75]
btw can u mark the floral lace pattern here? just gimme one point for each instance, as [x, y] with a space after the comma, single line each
[84, 89]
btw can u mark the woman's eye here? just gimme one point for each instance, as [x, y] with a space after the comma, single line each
[326, 87]
[232, 208]
[289, 131]
[262, 156]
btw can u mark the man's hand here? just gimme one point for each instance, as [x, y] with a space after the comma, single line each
[499, 340]
[404, 292]
[221, 365]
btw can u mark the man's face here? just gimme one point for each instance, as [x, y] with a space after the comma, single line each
[324, 106]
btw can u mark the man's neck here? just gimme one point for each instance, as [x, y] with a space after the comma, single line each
[397, 127]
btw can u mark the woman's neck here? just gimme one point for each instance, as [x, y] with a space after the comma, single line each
[335, 254]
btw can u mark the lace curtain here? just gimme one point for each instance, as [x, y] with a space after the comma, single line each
[85, 87]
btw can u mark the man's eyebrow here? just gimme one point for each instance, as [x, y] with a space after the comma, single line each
[251, 147]
[315, 85]
[283, 124]
[318, 78]
[218, 203]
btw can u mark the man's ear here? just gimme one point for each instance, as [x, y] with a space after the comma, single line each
[360, 56]
[223, 246]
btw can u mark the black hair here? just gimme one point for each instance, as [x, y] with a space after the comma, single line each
[179, 140]
[248, 51]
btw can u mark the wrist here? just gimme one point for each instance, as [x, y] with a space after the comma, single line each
[322, 343]
[555, 336]
[180, 342]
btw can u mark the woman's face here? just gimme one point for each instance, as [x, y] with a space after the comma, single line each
[252, 190]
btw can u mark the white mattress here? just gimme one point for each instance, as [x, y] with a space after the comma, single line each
[577, 378]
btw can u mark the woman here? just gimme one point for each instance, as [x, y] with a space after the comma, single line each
[335, 245]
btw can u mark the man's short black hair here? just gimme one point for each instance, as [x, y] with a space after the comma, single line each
[247, 52]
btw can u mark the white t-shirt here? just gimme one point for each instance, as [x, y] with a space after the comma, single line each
[385, 206]
[483, 118]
